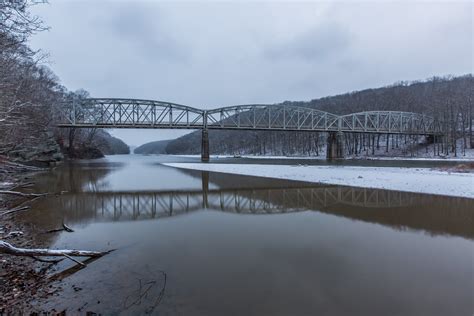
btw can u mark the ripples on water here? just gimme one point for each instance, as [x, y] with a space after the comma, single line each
[225, 244]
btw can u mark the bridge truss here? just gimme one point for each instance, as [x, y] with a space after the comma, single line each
[135, 113]
[130, 113]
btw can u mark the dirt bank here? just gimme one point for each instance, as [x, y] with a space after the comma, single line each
[21, 278]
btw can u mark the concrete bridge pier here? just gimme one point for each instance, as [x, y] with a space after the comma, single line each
[205, 145]
[335, 145]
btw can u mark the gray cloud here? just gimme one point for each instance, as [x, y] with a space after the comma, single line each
[209, 54]
[321, 42]
[143, 29]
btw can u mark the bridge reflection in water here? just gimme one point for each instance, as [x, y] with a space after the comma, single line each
[435, 215]
[117, 206]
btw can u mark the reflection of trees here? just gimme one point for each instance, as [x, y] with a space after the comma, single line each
[437, 215]
[71, 178]
[233, 181]
[431, 213]
[76, 177]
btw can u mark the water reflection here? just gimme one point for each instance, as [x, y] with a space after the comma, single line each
[81, 176]
[88, 198]
[254, 246]
[398, 209]
[149, 205]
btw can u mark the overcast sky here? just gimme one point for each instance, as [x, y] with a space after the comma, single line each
[211, 54]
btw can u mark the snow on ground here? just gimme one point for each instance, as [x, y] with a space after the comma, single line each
[420, 180]
[255, 157]
[422, 153]
[460, 159]
[468, 156]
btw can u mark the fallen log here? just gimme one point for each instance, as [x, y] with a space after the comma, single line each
[14, 210]
[12, 250]
[54, 261]
[65, 227]
[22, 194]
[14, 234]
[23, 185]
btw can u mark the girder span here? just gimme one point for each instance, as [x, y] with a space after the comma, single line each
[135, 113]
[392, 122]
[130, 113]
[271, 117]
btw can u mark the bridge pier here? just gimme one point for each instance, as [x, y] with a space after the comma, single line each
[205, 145]
[430, 139]
[205, 188]
[335, 145]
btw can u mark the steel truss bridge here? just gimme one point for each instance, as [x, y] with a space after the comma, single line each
[136, 113]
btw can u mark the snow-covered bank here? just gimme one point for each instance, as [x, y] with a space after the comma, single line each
[255, 157]
[454, 159]
[420, 180]
[434, 158]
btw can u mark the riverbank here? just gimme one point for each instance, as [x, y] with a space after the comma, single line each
[418, 180]
[21, 278]
[29, 266]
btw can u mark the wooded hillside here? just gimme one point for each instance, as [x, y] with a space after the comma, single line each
[448, 99]
[158, 147]
[31, 96]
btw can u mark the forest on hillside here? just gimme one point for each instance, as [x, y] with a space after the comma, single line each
[157, 147]
[448, 99]
[31, 97]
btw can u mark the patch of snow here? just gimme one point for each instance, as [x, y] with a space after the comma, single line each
[460, 159]
[283, 157]
[419, 180]
[407, 158]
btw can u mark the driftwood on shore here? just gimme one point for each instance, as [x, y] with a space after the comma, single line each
[30, 198]
[65, 228]
[16, 193]
[14, 210]
[12, 250]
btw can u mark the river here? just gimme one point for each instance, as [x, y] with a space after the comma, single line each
[198, 243]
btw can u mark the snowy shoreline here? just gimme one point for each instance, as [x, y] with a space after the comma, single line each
[417, 180]
[452, 159]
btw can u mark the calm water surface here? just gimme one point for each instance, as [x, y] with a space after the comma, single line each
[198, 243]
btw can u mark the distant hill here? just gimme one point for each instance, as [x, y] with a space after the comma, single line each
[110, 145]
[157, 147]
[448, 97]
